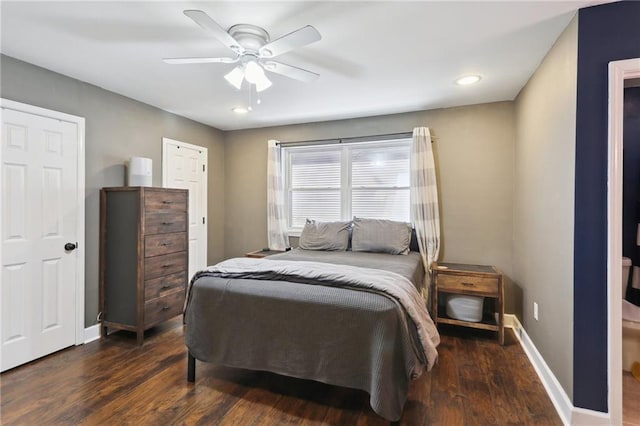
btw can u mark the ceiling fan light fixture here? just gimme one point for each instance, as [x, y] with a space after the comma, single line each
[235, 77]
[263, 84]
[253, 72]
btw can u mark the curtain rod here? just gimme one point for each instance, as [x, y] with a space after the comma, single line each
[356, 139]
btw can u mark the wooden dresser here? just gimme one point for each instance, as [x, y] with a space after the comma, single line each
[143, 257]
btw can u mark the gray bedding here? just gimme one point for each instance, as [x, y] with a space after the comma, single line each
[409, 266]
[337, 335]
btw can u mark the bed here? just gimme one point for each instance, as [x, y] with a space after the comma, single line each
[316, 315]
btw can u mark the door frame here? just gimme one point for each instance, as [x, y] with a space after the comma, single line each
[619, 71]
[79, 206]
[204, 197]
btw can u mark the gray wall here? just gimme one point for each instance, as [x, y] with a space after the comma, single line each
[473, 151]
[544, 203]
[117, 128]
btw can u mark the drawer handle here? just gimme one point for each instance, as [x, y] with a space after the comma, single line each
[164, 287]
[164, 244]
[468, 284]
[167, 266]
[167, 223]
[166, 202]
[165, 307]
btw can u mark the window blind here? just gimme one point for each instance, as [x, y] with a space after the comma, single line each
[380, 182]
[338, 182]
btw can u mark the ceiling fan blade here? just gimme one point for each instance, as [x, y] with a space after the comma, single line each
[298, 38]
[291, 71]
[205, 21]
[177, 61]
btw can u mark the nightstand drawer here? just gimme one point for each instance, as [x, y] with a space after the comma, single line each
[162, 286]
[467, 283]
[165, 200]
[163, 308]
[164, 265]
[155, 245]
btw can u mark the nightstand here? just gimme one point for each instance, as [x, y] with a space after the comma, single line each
[262, 253]
[472, 280]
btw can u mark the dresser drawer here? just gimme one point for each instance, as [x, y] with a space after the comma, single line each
[163, 308]
[467, 283]
[164, 223]
[162, 286]
[155, 245]
[165, 200]
[166, 264]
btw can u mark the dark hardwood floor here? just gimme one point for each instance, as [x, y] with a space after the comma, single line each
[630, 398]
[476, 382]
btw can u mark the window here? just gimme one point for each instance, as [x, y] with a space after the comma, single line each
[340, 181]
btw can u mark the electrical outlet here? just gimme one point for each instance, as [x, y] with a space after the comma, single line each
[535, 311]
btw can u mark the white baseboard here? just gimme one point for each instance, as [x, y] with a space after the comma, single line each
[569, 414]
[92, 333]
[582, 416]
[555, 391]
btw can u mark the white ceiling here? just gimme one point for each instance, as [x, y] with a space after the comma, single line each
[374, 57]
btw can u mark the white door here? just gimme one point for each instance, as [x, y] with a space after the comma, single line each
[39, 216]
[185, 166]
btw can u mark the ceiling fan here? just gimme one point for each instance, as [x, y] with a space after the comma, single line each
[253, 50]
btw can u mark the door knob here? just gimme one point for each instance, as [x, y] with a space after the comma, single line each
[70, 246]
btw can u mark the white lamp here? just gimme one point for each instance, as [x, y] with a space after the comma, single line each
[140, 171]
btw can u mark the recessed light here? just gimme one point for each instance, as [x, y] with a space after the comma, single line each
[467, 80]
[240, 110]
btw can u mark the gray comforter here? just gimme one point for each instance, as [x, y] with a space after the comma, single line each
[409, 265]
[333, 333]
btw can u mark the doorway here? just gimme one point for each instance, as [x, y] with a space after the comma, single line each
[619, 73]
[42, 221]
[185, 166]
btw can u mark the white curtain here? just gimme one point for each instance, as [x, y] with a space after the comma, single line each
[276, 222]
[424, 197]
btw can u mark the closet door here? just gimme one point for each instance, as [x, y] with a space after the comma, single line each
[184, 167]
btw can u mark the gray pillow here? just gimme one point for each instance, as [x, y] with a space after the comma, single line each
[381, 235]
[325, 236]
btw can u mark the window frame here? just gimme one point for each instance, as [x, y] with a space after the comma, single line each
[346, 188]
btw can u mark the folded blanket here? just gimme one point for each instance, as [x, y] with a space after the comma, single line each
[389, 284]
